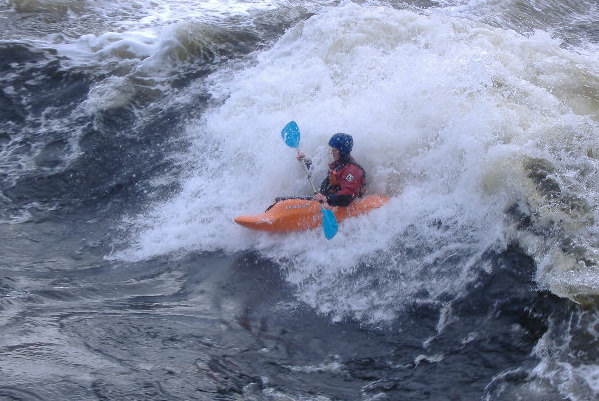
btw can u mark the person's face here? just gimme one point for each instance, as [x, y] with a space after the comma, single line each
[336, 153]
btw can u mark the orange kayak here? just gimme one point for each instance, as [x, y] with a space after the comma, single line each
[300, 214]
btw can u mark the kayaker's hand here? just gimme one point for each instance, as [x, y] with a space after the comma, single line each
[320, 198]
[301, 157]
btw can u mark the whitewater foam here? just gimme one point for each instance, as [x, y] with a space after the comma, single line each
[446, 114]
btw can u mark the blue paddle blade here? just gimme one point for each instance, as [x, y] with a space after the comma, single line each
[329, 223]
[291, 134]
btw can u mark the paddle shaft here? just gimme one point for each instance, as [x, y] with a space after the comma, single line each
[308, 175]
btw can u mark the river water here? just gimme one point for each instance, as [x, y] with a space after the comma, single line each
[133, 132]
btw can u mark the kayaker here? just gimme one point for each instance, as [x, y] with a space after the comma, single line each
[346, 179]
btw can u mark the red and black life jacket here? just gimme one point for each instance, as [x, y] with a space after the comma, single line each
[346, 177]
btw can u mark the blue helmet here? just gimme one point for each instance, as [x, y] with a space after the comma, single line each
[343, 142]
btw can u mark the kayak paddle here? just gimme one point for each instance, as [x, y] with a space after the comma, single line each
[291, 136]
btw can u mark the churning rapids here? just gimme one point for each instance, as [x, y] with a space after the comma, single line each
[133, 131]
